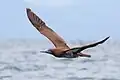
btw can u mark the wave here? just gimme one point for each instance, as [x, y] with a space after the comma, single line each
[21, 59]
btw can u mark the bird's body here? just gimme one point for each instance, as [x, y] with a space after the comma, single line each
[61, 48]
[64, 53]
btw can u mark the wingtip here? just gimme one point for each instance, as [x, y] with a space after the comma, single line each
[28, 10]
[107, 37]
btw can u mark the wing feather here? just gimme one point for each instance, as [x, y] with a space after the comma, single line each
[45, 30]
[79, 49]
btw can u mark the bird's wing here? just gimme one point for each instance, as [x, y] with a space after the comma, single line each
[79, 49]
[45, 30]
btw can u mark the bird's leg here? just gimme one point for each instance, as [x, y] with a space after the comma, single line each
[83, 55]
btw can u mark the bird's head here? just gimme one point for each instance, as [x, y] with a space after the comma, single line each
[49, 51]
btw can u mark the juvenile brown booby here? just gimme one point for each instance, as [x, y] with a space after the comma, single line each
[62, 49]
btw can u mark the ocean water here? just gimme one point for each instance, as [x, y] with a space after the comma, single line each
[21, 60]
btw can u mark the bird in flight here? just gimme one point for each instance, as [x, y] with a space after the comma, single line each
[61, 50]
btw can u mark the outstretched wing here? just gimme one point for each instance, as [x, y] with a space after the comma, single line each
[45, 30]
[79, 49]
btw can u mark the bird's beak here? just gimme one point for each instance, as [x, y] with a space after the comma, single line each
[45, 51]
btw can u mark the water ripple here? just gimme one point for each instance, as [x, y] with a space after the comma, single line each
[18, 61]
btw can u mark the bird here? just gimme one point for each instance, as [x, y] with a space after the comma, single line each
[61, 50]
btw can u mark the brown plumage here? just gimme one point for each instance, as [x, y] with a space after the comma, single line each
[61, 48]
